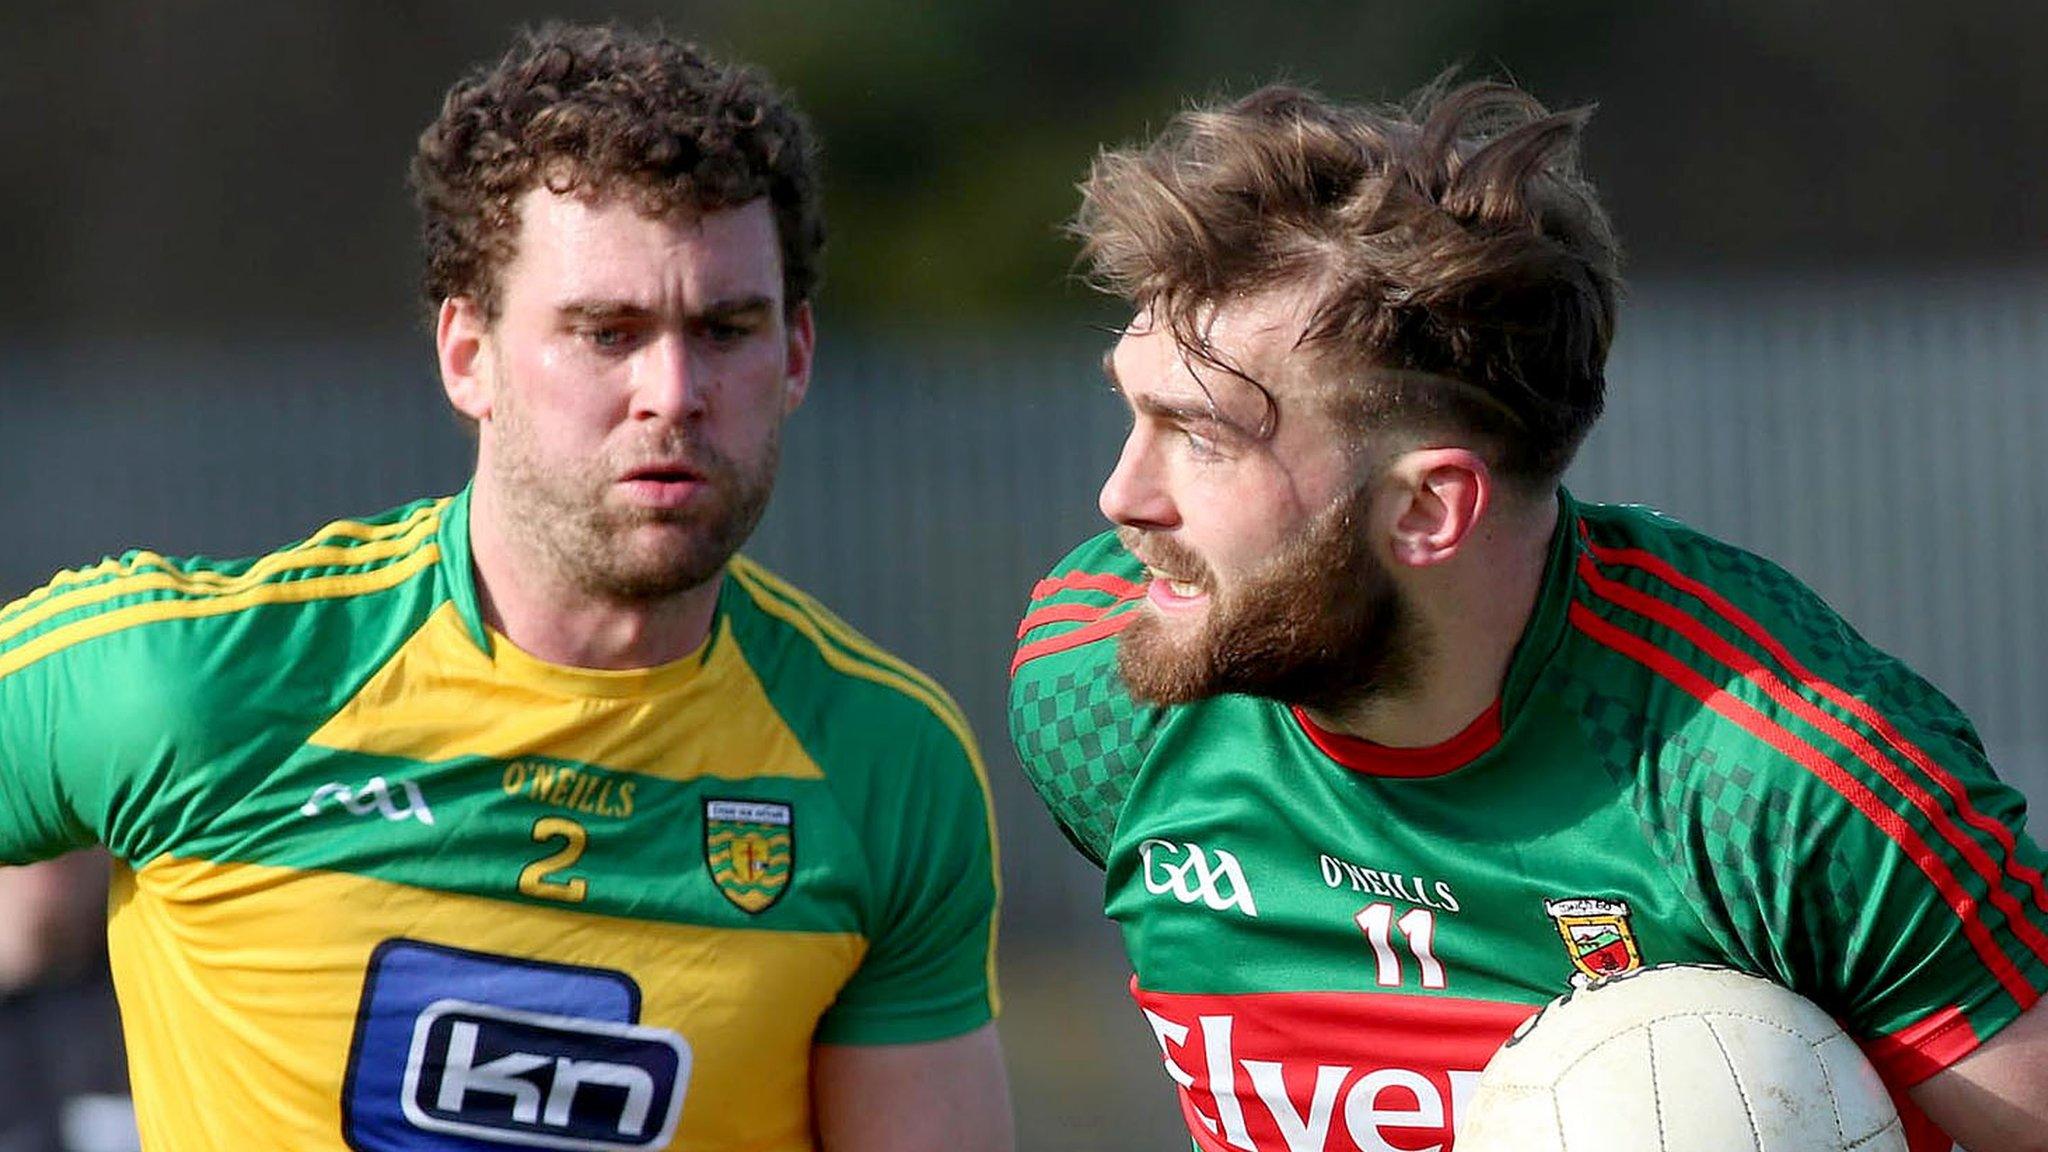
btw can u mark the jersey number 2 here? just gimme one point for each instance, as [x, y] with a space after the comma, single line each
[1418, 927]
[538, 878]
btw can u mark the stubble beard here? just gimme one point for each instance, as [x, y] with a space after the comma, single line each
[566, 519]
[1320, 624]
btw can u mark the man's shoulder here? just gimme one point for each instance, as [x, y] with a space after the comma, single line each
[833, 684]
[1087, 598]
[144, 613]
[1645, 571]
[1079, 734]
[1733, 654]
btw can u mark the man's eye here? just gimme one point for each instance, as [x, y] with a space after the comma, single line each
[727, 332]
[609, 337]
[1199, 446]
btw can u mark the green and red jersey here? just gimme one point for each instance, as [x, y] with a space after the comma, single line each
[1692, 758]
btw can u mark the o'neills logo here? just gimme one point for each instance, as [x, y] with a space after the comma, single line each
[1191, 874]
[1324, 1071]
[1597, 935]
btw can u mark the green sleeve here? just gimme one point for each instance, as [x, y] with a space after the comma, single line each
[1077, 731]
[929, 969]
[1891, 878]
[40, 814]
[71, 689]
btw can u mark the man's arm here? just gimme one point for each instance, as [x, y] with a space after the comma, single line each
[1996, 1098]
[941, 1096]
[53, 910]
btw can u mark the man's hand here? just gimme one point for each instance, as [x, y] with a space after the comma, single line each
[52, 915]
[1996, 1098]
[945, 1096]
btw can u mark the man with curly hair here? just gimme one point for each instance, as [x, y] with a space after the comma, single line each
[536, 816]
[1383, 739]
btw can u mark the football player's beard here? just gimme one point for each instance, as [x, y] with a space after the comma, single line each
[605, 550]
[1319, 624]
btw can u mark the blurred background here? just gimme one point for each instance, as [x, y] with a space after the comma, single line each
[1837, 219]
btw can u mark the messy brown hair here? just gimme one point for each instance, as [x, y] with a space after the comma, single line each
[1463, 273]
[603, 111]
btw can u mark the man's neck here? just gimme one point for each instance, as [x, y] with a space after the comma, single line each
[1469, 624]
[558, 622]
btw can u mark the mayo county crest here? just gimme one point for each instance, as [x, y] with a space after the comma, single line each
[750, 848]
[1596, 935]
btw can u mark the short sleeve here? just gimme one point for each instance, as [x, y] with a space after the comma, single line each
[929, 970]
[1077, 732]
[1891, 874]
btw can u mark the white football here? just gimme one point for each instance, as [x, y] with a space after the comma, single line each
[1680, 1058]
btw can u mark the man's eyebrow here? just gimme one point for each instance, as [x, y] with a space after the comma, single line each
[735, 305]
[1109, 371]
[601, 309]
[1183, 412]
[604, 308]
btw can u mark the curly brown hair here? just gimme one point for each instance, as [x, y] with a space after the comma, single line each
[1465, 272]
[605, 111]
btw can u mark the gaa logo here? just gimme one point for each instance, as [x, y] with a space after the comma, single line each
[464, 1052]
[1189, 874]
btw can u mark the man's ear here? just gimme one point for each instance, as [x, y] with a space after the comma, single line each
[1441, 494]
[803, 346]
[462, 344]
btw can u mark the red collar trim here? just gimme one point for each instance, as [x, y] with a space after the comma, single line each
[1406, 763]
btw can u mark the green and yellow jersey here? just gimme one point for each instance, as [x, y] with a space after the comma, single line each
[387, 882]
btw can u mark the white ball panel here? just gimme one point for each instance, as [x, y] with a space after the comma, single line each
[1606, 1098]
[1869, 1122]
[1516, 1116]
[1739, 1064]
[1699, 1101]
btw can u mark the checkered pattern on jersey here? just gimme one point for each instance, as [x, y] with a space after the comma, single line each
[1081, 739]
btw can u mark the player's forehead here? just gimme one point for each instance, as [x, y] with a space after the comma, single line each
[1241, 359]
[583, 248]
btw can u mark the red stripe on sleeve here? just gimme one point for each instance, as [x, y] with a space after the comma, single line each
[1116, 586]
[1746, 717]
[1062, 613]
[1087, 633]
[1753, 670]
[1660, 568]
[1914, 1053]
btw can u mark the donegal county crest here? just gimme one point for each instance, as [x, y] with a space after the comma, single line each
[1597, 936]
[750, 848]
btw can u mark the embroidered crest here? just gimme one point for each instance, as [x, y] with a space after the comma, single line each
[1597, 936]
[750, 848]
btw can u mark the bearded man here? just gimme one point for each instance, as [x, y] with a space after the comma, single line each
[1383, 739]
[535, 816]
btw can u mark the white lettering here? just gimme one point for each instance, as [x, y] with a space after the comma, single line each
[1364, 1118]
[500, 1077]
[1302, 1135]
[1193, 877]
[373, 796]
[1463, 1084]
[1223, 1080]
[573, 1074]
[1169, 1033]
[1409, 888]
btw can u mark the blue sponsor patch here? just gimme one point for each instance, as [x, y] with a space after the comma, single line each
[460, 1051]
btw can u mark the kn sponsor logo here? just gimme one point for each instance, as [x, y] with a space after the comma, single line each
[1325, 1071]
[1192, 874]
[542, 1080]
[460, 1051]
[375, 795]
